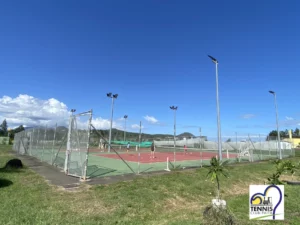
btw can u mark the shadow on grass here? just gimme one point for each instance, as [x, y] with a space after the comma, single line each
[10, 170]
[5, 183]
[12, 166]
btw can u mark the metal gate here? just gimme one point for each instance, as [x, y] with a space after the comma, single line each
[78, 144]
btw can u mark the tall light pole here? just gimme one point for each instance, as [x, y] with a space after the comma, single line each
[175, 109]
[200, 143]
[110, 95]
[278, 134]
[125, 117]
[218, 108]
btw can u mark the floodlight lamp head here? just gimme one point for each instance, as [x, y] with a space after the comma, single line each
[115, 95]
[272, 92]
[73, 110]
[213, 59]
[108, 94]
[125, 117]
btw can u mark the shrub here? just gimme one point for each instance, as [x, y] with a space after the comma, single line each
[281, 167]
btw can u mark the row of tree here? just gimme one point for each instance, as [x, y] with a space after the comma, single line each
[295, 133]
[4, 132]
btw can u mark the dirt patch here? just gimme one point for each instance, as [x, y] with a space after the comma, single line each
[289, 177]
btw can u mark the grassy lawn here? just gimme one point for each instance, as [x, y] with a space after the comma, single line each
[175, 198]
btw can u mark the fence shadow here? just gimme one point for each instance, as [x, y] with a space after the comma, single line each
[96, 171]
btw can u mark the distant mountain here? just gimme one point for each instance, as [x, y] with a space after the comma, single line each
[118, 135]
[134, 136]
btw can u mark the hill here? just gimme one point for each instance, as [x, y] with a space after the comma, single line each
[134, 136]
[118, 135]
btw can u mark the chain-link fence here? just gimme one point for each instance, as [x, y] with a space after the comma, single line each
[242, 147]
[64, 146]
[81, 150]
[44, 143]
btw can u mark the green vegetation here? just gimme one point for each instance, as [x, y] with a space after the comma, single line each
[216, 169]
[6, 133]
[285, 133]
[282, 166]
[174, 198]
[3, 128]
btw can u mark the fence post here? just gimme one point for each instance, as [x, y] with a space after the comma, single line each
[45, 135]
[30, 143]
[38, 138]
[52, 154]
[68, 145]
[269, 146]
[261, 157]
[88, 145]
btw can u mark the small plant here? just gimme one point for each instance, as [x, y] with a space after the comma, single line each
[217, 169]
[281, 167]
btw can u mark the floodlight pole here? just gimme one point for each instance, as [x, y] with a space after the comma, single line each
[110, 95]
[200, 145]
[278, 134]
[218, 109]
[125, 117]
[140, 135]
[175, 109]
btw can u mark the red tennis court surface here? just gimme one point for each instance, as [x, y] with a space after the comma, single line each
[162, 156]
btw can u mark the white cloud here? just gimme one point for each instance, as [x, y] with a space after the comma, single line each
[150, 119]
[248, 116]
[100, 123]
[136, 126]
[30, 111]
[289, 118]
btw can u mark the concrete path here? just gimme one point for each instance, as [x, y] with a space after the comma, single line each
[56, 176]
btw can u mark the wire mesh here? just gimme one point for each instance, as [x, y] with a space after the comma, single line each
[82, 151]
[78, 144]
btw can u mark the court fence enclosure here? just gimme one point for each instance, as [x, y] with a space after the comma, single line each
[80, 150]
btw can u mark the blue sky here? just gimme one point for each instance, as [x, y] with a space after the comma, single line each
[154, 55]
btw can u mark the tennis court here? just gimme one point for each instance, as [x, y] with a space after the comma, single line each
[145, 157]
[88, 155]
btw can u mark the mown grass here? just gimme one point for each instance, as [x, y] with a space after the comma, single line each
[175, 198]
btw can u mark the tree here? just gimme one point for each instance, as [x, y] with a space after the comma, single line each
[3, 127]
[19, 129]
[286, 132]
[273, 133]
[296, 132]
[228, 140]
[217, 169]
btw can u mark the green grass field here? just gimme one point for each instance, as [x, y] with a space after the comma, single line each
[174, 198]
